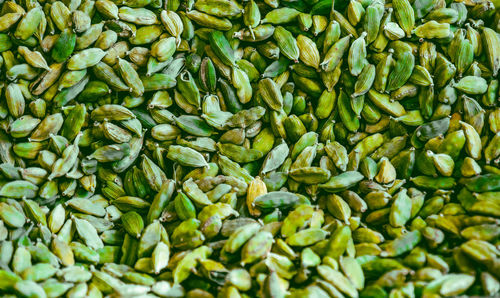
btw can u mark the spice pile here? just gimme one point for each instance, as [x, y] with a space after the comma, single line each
[216, 148]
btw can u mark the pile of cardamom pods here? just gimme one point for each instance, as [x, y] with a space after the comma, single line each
[249, 148]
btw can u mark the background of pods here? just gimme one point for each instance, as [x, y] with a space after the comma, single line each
[217, 148]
